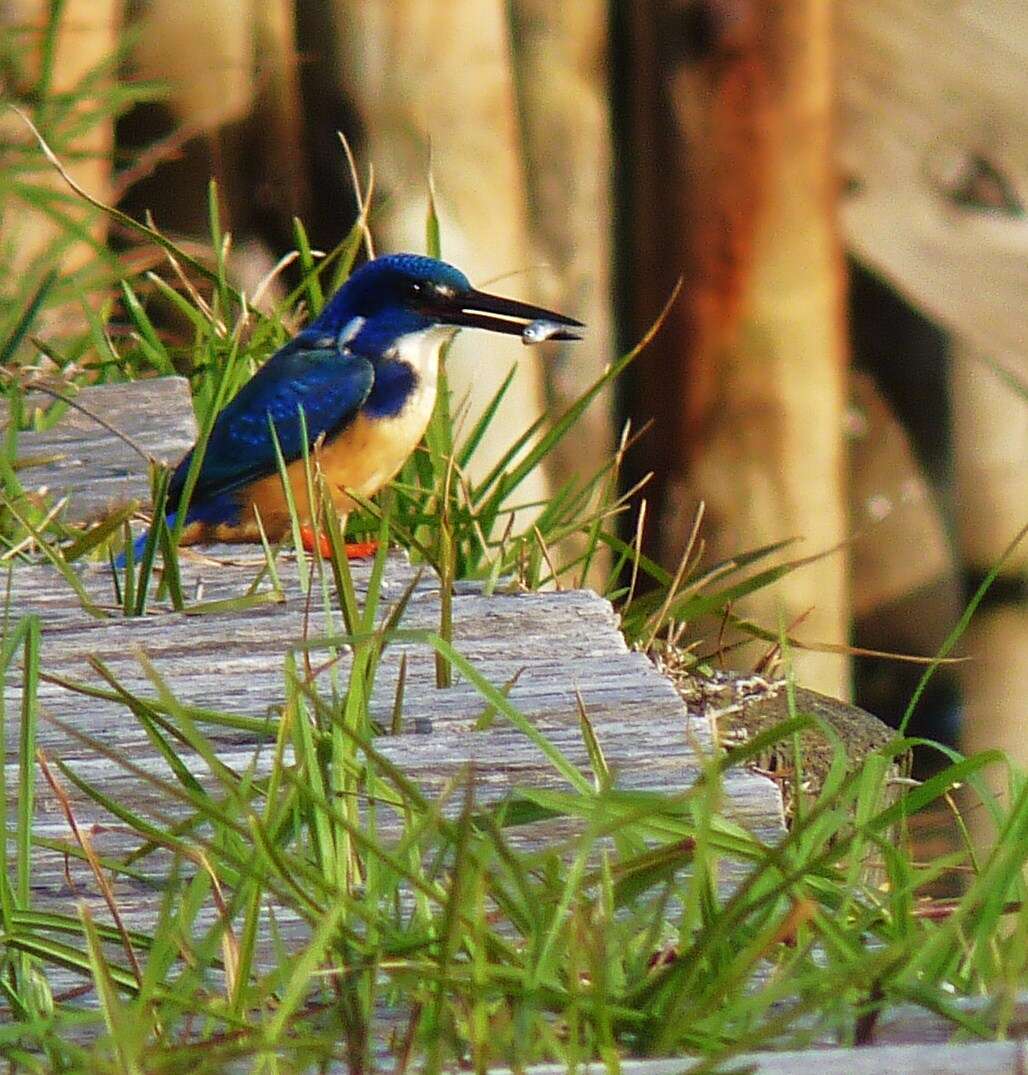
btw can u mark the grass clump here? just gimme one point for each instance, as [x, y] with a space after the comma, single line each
[315, 904]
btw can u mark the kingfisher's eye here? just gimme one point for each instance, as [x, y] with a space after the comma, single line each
[417, 288]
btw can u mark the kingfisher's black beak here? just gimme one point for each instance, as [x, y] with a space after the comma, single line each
[477, 309]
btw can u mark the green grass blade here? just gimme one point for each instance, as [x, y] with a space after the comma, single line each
[311, 280]
[32, 639]
[124, 1032]
[962, 624]
[25, 322]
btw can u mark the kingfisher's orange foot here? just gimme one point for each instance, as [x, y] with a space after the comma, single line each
[355, 550]
[361, 550]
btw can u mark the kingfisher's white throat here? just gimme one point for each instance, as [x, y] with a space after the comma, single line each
[420, 350]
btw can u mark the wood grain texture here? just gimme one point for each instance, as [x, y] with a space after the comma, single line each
[934, 143]
[89, 464]
[553, 648]
[733, 185]
[987, 1058]
[559, 645]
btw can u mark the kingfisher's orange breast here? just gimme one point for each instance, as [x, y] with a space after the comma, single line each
[363, 457]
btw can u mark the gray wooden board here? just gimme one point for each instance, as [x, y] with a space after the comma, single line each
[553, 648]
[984, 1058]
[556, 643]
[559, 645]
[92, 466]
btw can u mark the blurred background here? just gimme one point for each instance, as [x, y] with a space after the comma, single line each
[841, 188]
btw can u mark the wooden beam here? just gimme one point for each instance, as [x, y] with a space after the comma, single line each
[990, 424]
[934, 144]
[984, 1058]
[555, 650]
[562, 80]
[434, 84]
[900, 543]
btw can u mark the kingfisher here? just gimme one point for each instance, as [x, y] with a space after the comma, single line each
[364, 373]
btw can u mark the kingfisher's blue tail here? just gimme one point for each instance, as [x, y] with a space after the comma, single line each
[138, 545]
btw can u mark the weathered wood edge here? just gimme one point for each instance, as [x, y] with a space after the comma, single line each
[581, 630]
[980, 1058]
[97, 470]
[904, 1038]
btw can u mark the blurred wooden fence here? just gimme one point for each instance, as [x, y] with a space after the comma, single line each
[724, 170]
[935, 150]
[731, 183]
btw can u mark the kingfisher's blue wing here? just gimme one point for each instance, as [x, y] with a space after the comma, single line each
[328, 384]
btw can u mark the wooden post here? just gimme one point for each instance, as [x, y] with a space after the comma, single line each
[560, 60]
[279, 112]
[732, 185]
[426, 74]
[204, 54]
[935, 145]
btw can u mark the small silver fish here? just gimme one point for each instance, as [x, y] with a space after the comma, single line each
[543, 329]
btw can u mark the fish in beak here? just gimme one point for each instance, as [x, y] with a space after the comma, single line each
[478, 309]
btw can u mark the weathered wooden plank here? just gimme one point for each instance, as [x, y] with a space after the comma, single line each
[560, 646]
[556, 646]
[553, 640]
[985, 1058]
[990, 446]
[555, 651]
[908, 1024]
[95, 468]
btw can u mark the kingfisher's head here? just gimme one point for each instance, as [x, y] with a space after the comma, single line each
[399, 294]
